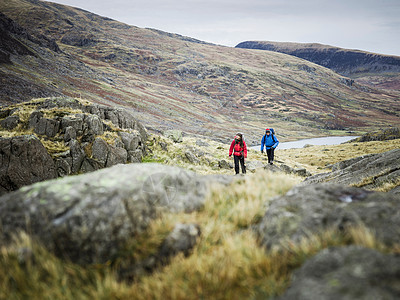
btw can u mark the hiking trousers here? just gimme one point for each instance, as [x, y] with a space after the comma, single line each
[240, 159]
[270, 154]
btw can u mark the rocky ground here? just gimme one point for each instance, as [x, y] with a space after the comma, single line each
[159, 229]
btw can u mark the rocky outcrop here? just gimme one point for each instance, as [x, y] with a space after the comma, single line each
[23, 161]
[89, 217]
[311, 209]
[368, 171]
[346, 273]
[380, 135]
[95, 136]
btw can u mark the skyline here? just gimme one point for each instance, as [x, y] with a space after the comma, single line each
[368, 25]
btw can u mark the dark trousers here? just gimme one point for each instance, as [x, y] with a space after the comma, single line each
[240, 159]
[270, 154]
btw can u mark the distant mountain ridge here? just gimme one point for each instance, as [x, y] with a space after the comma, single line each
[352, 63]
[170, 81]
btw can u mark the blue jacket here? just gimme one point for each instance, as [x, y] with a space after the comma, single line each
[270, 141]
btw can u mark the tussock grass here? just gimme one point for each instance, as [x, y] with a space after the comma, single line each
[226, 263]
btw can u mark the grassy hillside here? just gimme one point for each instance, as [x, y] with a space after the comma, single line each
[377, 70]
[169, 81]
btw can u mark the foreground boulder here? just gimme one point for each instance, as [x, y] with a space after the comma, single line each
[307, 210]
[23, 160]
[346, 273]
[369, 171]
[89, 217]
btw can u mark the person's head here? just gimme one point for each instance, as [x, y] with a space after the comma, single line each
[239, 138]
[267, 131]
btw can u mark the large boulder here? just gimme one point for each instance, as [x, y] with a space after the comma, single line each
[174, 135]
[368, 171]
[311, 209]
[346, 273]
[23, 161]
[89, 217]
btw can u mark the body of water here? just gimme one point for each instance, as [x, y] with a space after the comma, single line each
[329, 140]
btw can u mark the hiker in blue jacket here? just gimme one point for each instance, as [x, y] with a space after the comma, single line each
[270, 142]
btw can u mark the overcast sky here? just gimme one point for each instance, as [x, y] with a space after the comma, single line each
[370, 25]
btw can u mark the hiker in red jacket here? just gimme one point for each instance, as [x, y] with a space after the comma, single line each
[239, 150]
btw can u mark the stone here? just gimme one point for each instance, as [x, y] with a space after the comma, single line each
[201, 143]
[72, 121]
[100, 150]
[63, 166]
[351, 272]
[70, 134]
[182, 239]
[368, 171]
[77, 155]
[23, 161]
[174, 135]
[47, 127]
[191, 157]
[314, 208]
[34, 119]
[131, 140]
[135, 156]
[116, 155]
[253, 165]
[223, 164]
[10, 122]
[94, 123]
[89, 217]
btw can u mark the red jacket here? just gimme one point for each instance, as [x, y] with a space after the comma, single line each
[237, 150]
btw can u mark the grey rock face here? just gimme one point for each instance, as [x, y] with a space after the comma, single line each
[89, 217]
[131, 140]
[100, 150]
[23, 161]
[346, 273]
[223, 164]
[77, 155]
[252, 166]
[371, 170]
[191, 157]
[70, 133]
[10, 123]
[297, 171]
[116, 155]
[182, 239]
[95, 124]
[47, 127]
[174, 135]
[85, 127]
[72, 121]
[305, 210]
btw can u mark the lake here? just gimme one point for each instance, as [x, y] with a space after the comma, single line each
[329, 140]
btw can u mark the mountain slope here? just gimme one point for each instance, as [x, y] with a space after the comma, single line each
[353, 63]
[170, 81]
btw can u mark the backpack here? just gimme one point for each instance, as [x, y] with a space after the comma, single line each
[272, 130]
[272, 133]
